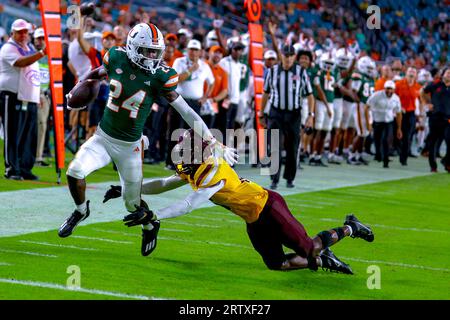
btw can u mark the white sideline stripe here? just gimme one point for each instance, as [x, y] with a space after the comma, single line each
[300, 203]
[391, 227]
[225, 244]
[102, 239]
[192, 224]
[29, 253]
[83, 290]
[193, 216]
[134, 234]
[58, 245]
[176, 230]
[115, 232]
[5, 264]
[399, 264]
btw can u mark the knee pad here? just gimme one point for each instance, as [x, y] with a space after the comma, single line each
[75, 169]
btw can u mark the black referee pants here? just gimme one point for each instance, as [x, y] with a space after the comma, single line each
[288, 123]
[20, 125]
[439, 128]
[382, 133]
[408, 127]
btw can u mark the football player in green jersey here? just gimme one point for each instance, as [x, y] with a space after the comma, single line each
[345, 62]
[364, 86]
[325, 78]
[136, 77]
[305, 59]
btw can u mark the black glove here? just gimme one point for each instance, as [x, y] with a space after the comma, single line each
[140, 216]
[112, 193]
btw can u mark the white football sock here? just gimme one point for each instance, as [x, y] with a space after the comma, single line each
[147, 226]
[82, 208]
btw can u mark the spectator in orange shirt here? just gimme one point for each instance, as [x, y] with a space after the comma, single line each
[220, 87]
[386, 74]
[172, 41]
[168, 55]
[408, 90]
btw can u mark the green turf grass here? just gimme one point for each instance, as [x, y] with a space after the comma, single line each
[409, 218]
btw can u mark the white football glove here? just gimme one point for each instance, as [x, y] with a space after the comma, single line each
[220, 150]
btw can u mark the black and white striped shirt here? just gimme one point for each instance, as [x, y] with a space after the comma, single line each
[287, 88]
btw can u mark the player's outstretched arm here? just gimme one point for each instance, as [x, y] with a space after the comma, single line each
[143, 215]
[191, 202]
[160, 185]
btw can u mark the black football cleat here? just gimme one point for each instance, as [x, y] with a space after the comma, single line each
[69, 225]
[331, 263]
[359, 230]
[149, 238]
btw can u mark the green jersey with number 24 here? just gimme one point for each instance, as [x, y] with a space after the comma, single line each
[132, 92]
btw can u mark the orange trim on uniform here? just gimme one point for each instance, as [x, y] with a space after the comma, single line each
[154, 32]
[170, 85]
[203, 174]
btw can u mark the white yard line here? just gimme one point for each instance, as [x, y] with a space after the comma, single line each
[170, 221]
[388, 227]
[29, 253]
[5, 264]
[225, 244]
[58, 245]
[82, 290]
[397, 264]
[128, 234]
[102, 239]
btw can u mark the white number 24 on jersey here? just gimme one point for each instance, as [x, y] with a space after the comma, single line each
[132, 104]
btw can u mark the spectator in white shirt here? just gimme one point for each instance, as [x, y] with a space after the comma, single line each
[233, 68]
[385, 105]
[19, 97]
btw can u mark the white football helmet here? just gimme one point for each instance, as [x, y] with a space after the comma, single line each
[327, 61]
[145, 46]
[367, 66]
[344, 58]
[424, 76]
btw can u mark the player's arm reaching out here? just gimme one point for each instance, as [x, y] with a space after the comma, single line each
[152, 186]
[193, 201]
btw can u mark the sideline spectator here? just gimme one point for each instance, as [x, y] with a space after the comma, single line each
[438, 93]
[384, 105]
[45, 98]
[408, 91]
[19, 96]
[220, 88]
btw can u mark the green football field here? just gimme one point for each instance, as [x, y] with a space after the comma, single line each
[206, 254]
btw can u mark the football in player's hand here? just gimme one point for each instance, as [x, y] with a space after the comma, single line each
[83, 94]
[87, 8]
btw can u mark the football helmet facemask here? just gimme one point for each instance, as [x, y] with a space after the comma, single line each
[145, 46]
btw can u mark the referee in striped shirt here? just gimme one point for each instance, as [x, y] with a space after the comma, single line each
[285, 85]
